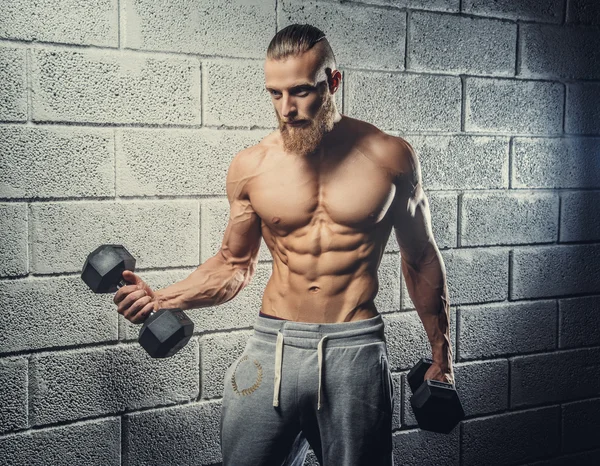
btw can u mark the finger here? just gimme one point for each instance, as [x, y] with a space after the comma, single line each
[131, 314]
[129, 300]
[144, 312]
[122, 293]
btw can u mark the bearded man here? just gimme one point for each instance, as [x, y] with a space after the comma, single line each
[324, 191]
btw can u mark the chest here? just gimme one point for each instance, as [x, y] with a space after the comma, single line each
[349, 189]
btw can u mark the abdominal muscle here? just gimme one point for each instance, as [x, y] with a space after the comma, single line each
[332, 286]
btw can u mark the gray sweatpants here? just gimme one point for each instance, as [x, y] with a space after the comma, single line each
[295, 384]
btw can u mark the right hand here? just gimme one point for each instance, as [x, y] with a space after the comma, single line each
[136, 300]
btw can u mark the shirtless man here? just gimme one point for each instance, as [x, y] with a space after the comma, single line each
[324, 191]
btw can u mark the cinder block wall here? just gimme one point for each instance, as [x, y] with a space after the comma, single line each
[118, 121]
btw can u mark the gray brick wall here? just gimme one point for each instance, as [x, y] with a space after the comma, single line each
[118, 120]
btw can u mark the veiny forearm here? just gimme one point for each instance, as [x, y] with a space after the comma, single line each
[427, 287]
[214, 282]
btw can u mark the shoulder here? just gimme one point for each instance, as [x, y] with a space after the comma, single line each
[393, 153]
[243, 167]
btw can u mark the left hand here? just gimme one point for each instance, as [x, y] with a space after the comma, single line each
[436, 372]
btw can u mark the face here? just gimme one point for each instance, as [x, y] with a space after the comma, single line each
[303, 100]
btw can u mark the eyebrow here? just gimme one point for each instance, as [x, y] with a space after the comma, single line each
[297, 87]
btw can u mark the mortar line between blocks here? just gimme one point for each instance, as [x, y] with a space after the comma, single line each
[28, 95]
[511, 148]
[518, 51]
[463, 102]
[408, 18]
[119, 24]
[115, 163]
[564, 112]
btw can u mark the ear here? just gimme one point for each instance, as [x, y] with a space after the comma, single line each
[334, 78]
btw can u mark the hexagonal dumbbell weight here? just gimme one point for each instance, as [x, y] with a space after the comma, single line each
[436, 404]
[165, 331]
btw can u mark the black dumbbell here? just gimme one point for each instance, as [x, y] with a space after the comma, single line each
[436, 405]
[165, 331]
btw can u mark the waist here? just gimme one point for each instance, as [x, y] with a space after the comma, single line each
[308, 335]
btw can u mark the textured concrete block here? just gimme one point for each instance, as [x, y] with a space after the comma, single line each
[93, 443]
[398, 399]
[214, 215]
[555, 271]
[473, 276]
[407, 341]
[13, 394]
[511, 438]
[100, 86]
[182, 435]
[63, 21]
[235, 95]
[177, 162]
[156, 233]
[13, 69]
[444, 213]
[240, 312]
[508, 218]
[581, 424]
[556, 163]
[422, 448]
[548, 11]
[519, 106]
[441, 5]
[58, 311]
[587, 458]
[582, 115]
[580, 216]
[218, 353]
[458, 44]
[349, 29]
[462, 162]
[583, 12]
[205, 27]
[578, 322]
[555, 377]
[56, 162]
[482, 388]
[388, 296]
[557, 51]
[81, 383]
[403, 102]
[13, 240]
[501, 329]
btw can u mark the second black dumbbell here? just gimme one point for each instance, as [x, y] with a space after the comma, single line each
[165, 331]
[436, 405]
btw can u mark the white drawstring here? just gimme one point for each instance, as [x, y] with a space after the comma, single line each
[278, 364]
[320, 360]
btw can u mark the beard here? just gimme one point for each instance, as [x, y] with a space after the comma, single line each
[305, 139]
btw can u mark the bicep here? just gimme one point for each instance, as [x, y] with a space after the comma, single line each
[411, 214]
[241, 240]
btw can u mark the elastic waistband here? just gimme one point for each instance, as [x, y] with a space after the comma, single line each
[308, 335]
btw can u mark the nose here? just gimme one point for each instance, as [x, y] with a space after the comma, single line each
[288, 107]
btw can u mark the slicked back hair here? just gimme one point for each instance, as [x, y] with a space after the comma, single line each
[296, 39]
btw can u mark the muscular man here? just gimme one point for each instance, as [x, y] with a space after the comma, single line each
[324, 191]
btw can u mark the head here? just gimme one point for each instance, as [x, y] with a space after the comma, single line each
[301, 77]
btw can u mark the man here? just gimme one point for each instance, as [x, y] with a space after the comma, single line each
[324, 191]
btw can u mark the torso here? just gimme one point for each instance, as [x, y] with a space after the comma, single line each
[326, 220]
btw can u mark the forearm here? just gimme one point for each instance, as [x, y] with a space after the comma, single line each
[427, 287]
[214, 282]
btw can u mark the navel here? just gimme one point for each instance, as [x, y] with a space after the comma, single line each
[314, 289]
